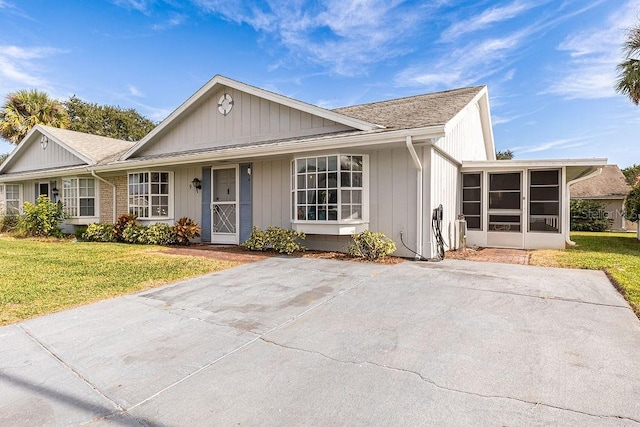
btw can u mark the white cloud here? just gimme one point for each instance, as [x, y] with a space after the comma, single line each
[346, 37]
[488, 17]
[556, 144]
[139, 5]
[18, 66]
[175, 21]
[134, 91]
[589, 71]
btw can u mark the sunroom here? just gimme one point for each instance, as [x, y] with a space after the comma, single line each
[521, 204]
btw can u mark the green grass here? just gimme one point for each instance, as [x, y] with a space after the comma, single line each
[38, 277]
[618, 254]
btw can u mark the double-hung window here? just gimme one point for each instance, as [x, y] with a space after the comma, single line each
[10, 199]
[79, 197]
[329, 189]
[149, 194]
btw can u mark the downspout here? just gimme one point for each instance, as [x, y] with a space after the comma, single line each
[567, 209]
[113, 188]
[419, 198]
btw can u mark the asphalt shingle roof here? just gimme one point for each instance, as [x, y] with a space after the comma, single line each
[415, 111]
[609, 183]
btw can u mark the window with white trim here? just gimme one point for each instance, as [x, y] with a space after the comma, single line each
[328, 188]
[149, 194]
[79, 197]
[10, 199]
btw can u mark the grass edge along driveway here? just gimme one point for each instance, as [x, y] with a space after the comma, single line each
[39, 277]
[618, 254]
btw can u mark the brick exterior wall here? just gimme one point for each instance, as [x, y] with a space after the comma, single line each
[106, 198]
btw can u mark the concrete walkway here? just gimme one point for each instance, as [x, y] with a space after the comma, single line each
[290, 341]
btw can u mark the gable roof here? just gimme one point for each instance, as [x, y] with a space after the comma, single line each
[91, 149]
[610, 183]
[218, 81]
[418, 111]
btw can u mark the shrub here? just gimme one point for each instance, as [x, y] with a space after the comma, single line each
[256, 241]
[8, 223]
[277, 239]
[371, 246]
[632, 205]
[79, 232]
[159, 234]
[589, 215]
[184, 230]
[41, 219]
[136, 234]
[100, 233]
[122, 223]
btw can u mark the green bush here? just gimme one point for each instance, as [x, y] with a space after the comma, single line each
[79, 232]
[136, 234]
[8, 223]
[184, 230]
[41, 219]
[160, 234]
[589, 215]
[632, 205]
[122, 223]
[277, 239]
[371, 246]
[100, 233]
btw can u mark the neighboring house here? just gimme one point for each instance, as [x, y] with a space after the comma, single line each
[611, 188]
[234, 156]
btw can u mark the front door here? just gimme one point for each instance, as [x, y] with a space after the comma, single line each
[505, 225]
[224, 205]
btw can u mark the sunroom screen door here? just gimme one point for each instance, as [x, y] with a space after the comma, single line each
[224, 205]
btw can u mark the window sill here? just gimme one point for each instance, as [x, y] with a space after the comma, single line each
[82, 220]
[330, 228]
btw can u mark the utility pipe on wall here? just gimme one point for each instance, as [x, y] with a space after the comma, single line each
[113, 187]
[419, 200]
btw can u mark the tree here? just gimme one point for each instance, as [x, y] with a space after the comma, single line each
[589, 215]
[26, 108]
[107, 120]
[632, 174]
[3, 157]
[629, 70]
[504, 155]
[632, 205]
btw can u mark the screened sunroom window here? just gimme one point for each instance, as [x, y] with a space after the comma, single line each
[472, 200]
[149, 194]
[544, 201]
[79, 197]
[328, 188]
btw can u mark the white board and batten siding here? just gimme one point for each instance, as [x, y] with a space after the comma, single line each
[392, 190]
[35, 157]
[464, 138]
[252, 119]
[187, 200]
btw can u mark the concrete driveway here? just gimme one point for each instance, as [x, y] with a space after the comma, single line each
[291, 341]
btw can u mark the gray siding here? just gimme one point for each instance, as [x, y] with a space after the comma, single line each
[35, 158]
[252, 119]
[271, 193]
[187, 202]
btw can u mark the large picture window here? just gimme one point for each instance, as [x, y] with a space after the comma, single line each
[328, 188]
[10, 199]
[79, 197]
[149, 194]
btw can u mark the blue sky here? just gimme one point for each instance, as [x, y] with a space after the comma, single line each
[549, 64]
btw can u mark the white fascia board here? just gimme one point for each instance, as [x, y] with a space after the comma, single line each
[27, 176]
[271, 96]
[289, 147]
[542, 163]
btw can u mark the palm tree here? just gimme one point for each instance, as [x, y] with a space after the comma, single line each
[629, 71]
[26, 108]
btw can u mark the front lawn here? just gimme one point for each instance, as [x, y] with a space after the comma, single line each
[616, 253]
[38, 277]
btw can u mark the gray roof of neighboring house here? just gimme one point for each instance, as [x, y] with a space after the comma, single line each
[98, 149]
[414, 111]
[610, 183]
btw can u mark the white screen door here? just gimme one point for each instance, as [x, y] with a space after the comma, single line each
[224, 205]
